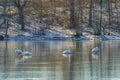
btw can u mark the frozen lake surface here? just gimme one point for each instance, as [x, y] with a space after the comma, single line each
[48, 63]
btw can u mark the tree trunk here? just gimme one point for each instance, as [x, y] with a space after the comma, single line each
[20, 6]
[4, 10]
[72, 14]
[21, 18]
[80, 14]
[90, 13]
[109, 11]
[117, 18]
[100, 29]
[5, 17]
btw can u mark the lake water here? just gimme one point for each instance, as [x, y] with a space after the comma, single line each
[48, 63]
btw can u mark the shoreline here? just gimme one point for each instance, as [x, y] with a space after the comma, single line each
[39, 38]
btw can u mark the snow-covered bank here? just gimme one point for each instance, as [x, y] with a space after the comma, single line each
[34, 30]
[39, 38]
[58, 34]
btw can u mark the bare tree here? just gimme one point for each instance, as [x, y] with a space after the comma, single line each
[5, 17]
[109, 11]
[90, 13]
[75, 20]
[117, 16]
[20, 4]
[100, 28]
[80, 14]
[4, 10]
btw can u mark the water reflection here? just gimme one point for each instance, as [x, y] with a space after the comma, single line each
[18, 60]
[95, 55]
[48, 62]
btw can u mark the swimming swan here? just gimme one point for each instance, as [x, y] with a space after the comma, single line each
[96, 49]
[68, 51]
[18, 51]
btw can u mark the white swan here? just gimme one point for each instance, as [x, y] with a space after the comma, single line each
[68, 51]
[66, 55]
[26, 53]
[96, 49]
[18, 51]
[95, 54]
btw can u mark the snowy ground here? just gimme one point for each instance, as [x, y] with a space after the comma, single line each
[52, 32]
[57, 34]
